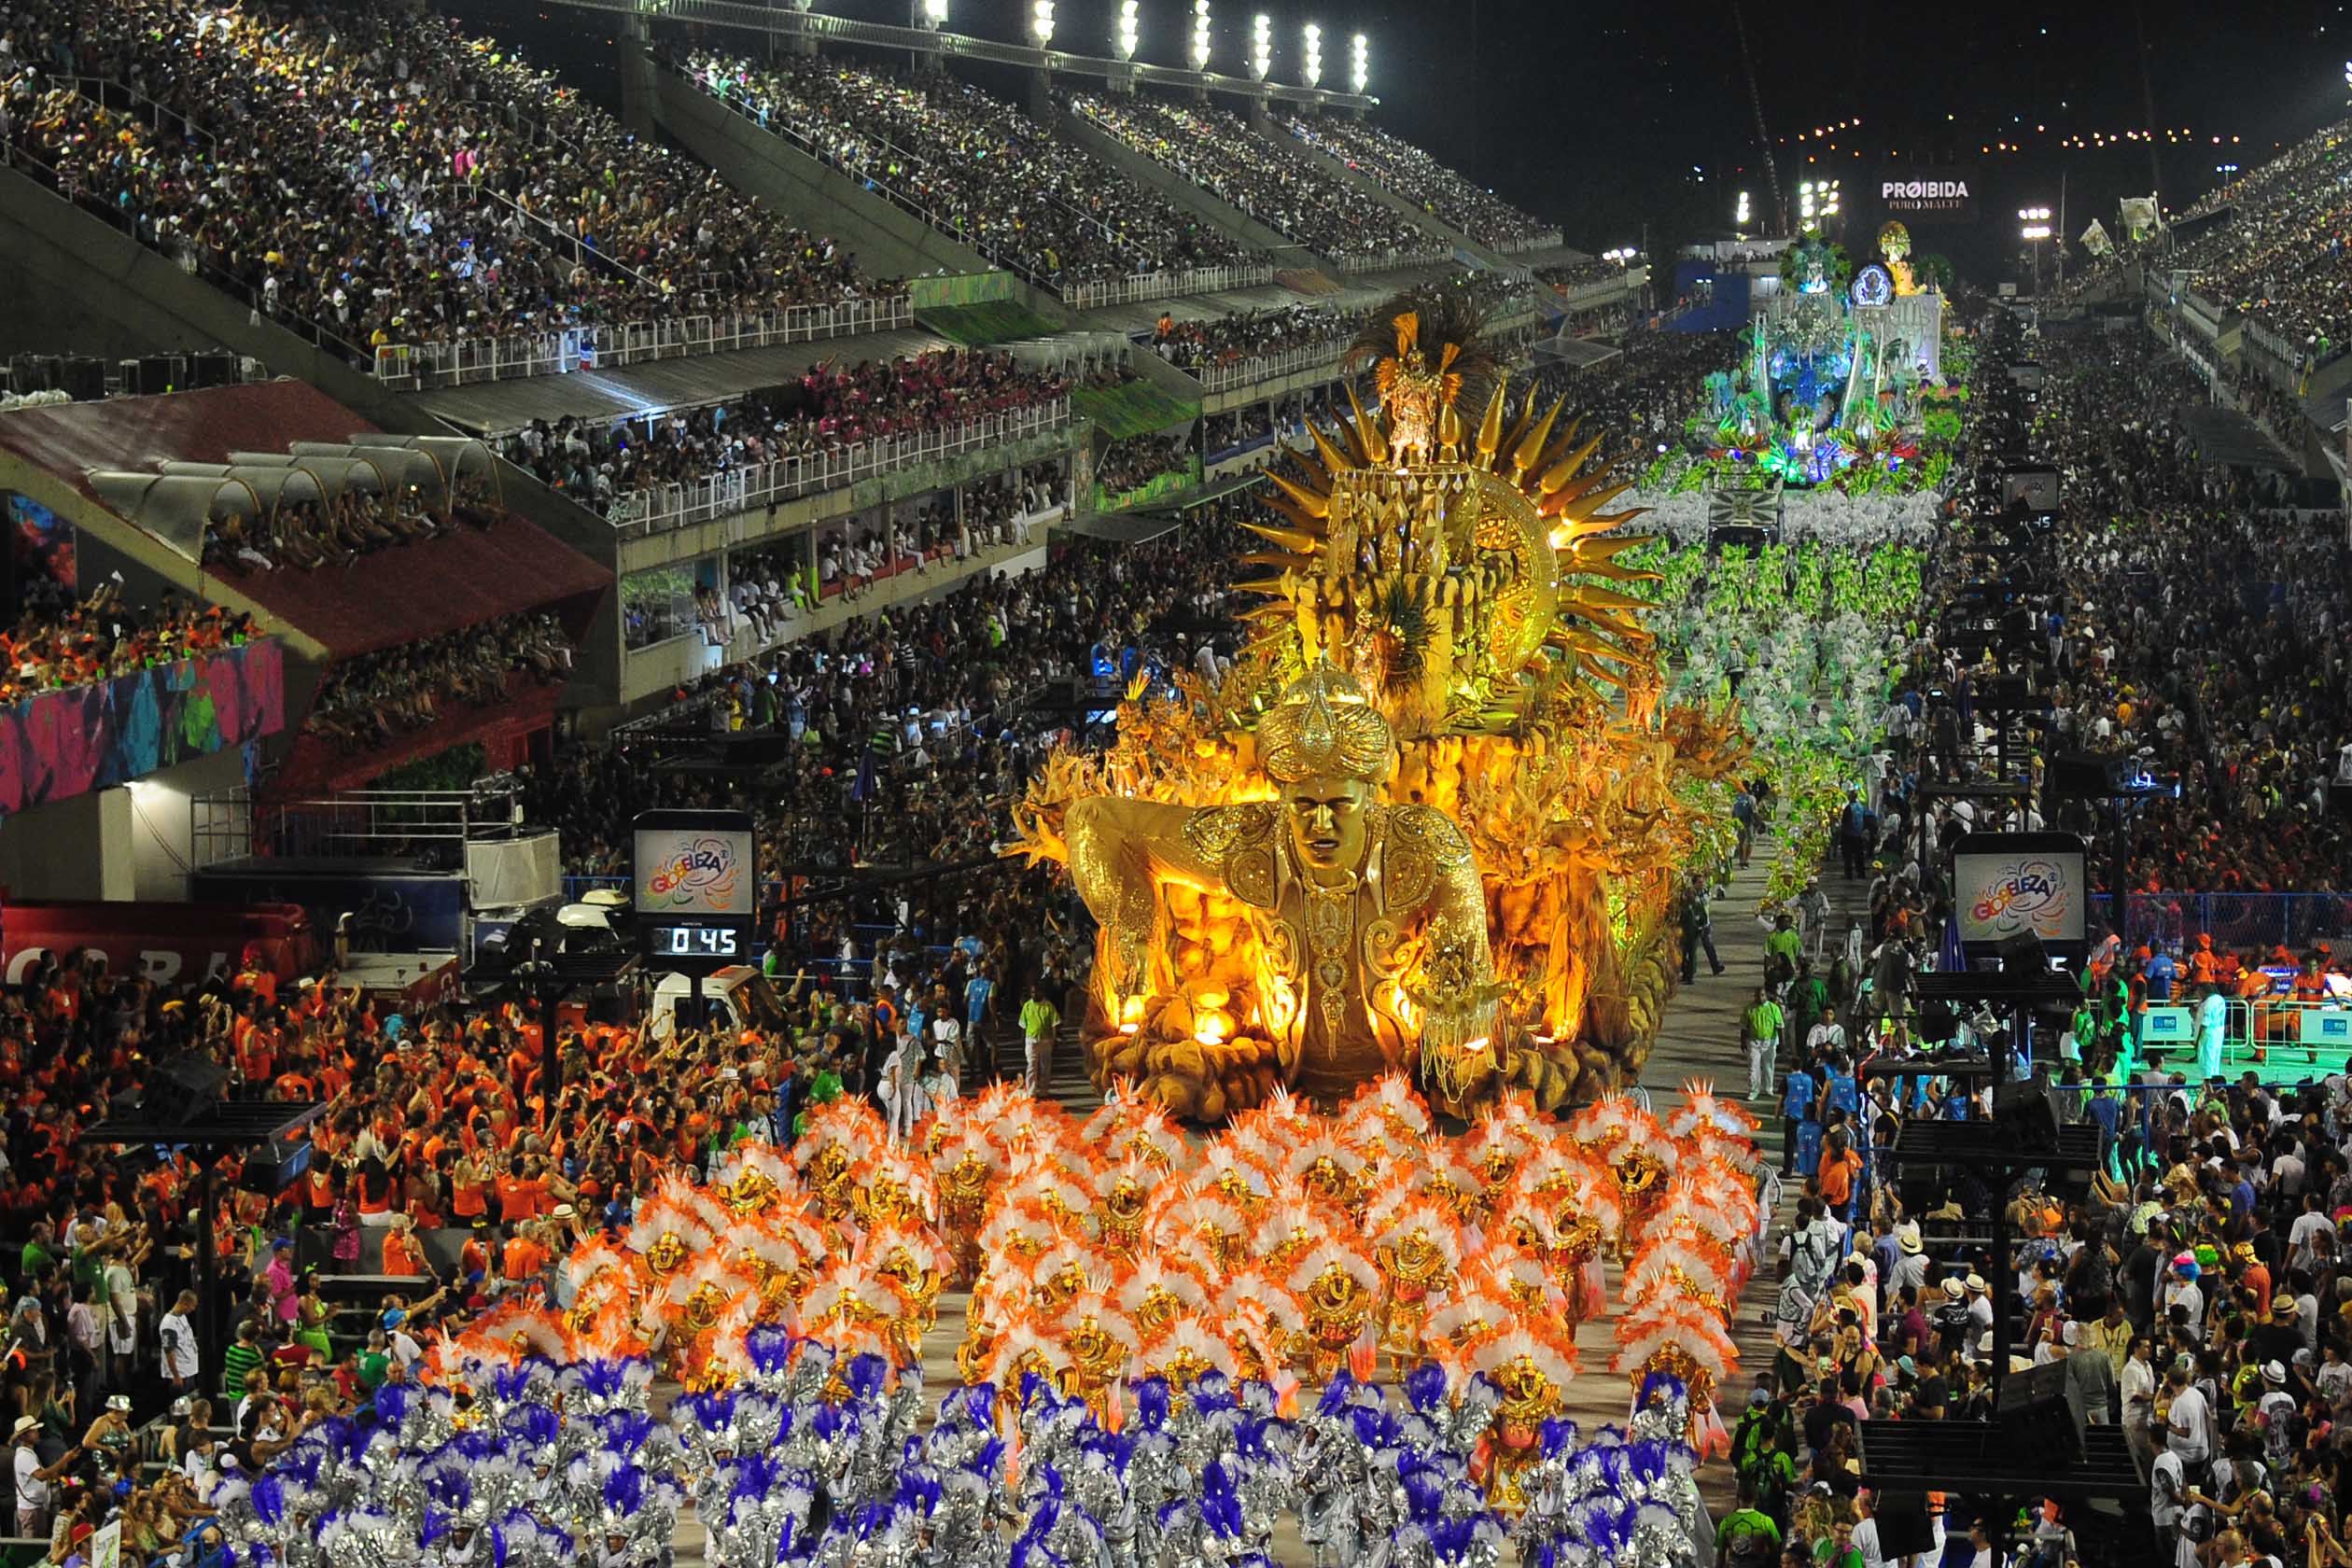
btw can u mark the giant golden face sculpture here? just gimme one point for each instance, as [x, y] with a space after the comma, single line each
[1429, 818]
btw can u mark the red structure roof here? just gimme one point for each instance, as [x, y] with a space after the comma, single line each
[389, 598]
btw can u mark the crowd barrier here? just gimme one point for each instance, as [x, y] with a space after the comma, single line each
[1268, 366]
[422, 367]
[1604, 289]
[1386, 261]
[663, 508]
[1137, 286]
[1550, 240]
[2241, 921]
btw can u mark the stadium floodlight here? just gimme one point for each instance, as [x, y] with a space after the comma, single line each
[931, 14]
[1041, 22]
[1201, 35]
[1359, 64]
[1261, 45]
[1805, 203]
[1130, 28]
[1739, 215]
[1310, 70]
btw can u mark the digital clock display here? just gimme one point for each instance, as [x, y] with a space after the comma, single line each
[695, 942]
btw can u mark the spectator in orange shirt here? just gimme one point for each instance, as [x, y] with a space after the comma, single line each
[522, 1189]
[525, 1256]
[403, 1254]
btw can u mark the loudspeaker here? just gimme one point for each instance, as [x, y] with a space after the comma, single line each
[155, 374]
[181, 1089]
[82, 379]
[274, 1167]
[2027, 1117]
[2041, 1417]
[215, 367]
[1904, 1528]
[2022, 954]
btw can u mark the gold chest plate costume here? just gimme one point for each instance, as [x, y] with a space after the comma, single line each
[1335, 958]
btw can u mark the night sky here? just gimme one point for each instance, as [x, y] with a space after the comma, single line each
[1607, 118]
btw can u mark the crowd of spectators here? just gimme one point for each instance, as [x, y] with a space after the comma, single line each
[385, 176]
[2277, 252]
[1218, 152]
[1404, 170]
[772, 586]
[2196, 1297]
[2195, 1293]
[1129, 465]
[973, 166]
[59, 641]
[441, 1118]
[368, 701]
[1570, 276]
[2193, 631]
[1230, 340]
[329, 530]
[831, 408]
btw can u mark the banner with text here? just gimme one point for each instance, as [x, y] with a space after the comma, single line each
[1914, 195]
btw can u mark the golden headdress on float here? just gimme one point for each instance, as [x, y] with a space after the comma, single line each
[1325, 728]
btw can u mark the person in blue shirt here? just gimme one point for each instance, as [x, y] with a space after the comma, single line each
[2160, 972]
[977, 990]
[1840, 1093]
[1796, 1116]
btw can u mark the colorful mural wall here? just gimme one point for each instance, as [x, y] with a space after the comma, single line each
[62, 744]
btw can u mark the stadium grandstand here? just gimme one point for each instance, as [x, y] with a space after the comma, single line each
[422, 457]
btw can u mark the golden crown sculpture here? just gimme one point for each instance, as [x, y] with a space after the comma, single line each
[1445, 636]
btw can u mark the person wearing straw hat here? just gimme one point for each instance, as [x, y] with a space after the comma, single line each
[33, 1497]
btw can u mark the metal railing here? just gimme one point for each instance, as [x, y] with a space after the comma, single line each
[231, 824]
[1164, 286]
[2258, 921]
[645, 512]
[420, 367]
[122, 98]
[1388, 260]
[1550, 240]
[1267, 367]
[1601, 289]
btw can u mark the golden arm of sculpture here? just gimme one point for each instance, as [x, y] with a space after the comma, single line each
[1121, 852]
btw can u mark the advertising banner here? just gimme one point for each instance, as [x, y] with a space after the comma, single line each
[2007, 885]
[61, 744]
[169, 943]
[1918, 195]
[694, 871]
